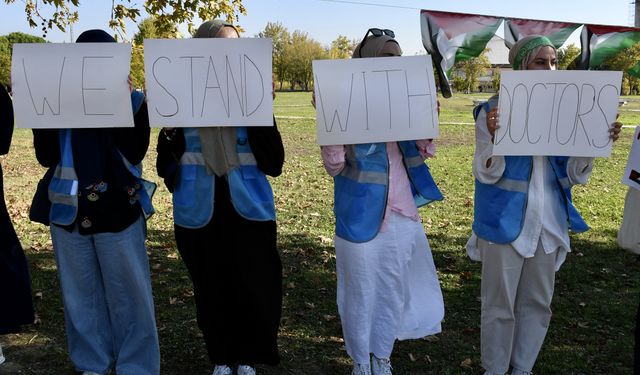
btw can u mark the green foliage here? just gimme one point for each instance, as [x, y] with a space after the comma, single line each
[6, 47]
[566, 56]
[340, 48]
[147, 29]
[167, 13]
[470, 71]
[495, 79]
[280, 38]
[625, 60]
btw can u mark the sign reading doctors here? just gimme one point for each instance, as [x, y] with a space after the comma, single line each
[375, 100]
[77, 85]
[562, 113]
[208, 82]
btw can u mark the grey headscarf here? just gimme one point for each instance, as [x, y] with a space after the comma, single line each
[372, 46]
[218, 144]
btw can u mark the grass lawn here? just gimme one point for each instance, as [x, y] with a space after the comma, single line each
[596, 290]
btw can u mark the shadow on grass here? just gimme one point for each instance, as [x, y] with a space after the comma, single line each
[591, 331]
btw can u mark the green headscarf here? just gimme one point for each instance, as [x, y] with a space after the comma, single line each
[521, 52]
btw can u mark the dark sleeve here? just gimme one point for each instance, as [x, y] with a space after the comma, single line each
[6, 121]
[170, 149]
[47, 146]
[134, 142]
[266, 146]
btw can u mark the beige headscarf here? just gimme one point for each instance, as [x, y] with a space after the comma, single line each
[372, 46]
[218, 143]
[526, 49]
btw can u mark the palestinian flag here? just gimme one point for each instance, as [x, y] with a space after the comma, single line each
[518, 28]
[599, 43]
[453, 37]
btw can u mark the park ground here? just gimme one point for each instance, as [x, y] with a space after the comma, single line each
[596, 290]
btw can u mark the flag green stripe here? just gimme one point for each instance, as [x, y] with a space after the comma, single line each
[475, 42]
[611, 46]
[559, 37]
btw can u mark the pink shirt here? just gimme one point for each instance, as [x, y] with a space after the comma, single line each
[399, 199]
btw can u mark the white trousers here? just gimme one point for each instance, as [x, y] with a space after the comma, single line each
[387, 289]
[516, 295]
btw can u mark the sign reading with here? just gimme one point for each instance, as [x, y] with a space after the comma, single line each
[76, 85]
[208, 82]
[561, 113]
[375, 100]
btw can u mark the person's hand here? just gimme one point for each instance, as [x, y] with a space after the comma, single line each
[614, 130]
[313, 99]
[492, 121]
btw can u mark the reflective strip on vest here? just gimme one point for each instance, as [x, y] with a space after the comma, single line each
[564, 182]
[247, 158]
[414, 161]
[364, 177]
[513, 185]
[68, 173]
[65, 199]
[193, 158]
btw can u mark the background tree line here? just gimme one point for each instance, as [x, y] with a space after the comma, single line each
[293, 53]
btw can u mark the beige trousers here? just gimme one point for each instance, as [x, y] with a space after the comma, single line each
[516, 295]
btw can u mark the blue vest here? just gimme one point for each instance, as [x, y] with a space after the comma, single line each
[499, 209]
[63, 189]
[360, 195]
[193, 197]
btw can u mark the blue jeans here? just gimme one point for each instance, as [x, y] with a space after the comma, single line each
[108, 303]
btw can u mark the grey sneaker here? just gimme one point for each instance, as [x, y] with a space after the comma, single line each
[380, 366]
[222, 370]
[361, 369]
[246, 370]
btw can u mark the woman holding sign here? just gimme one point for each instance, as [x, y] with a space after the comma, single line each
[17, 307]
[522, 216]
[387, 283]
[225, 230]
[98, 210]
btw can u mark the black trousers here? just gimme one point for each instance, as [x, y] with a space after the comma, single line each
[237, 280]
[14, 275]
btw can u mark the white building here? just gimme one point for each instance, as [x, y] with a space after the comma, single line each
[498, 55]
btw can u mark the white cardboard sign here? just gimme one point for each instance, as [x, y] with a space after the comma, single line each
[561, 113]
[631, 176]
[375, 100]
[208, 82]
[75, 85]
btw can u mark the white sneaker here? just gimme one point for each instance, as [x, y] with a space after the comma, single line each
[361, 369]
[380, 366]
[246, 370]
[222, 370]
